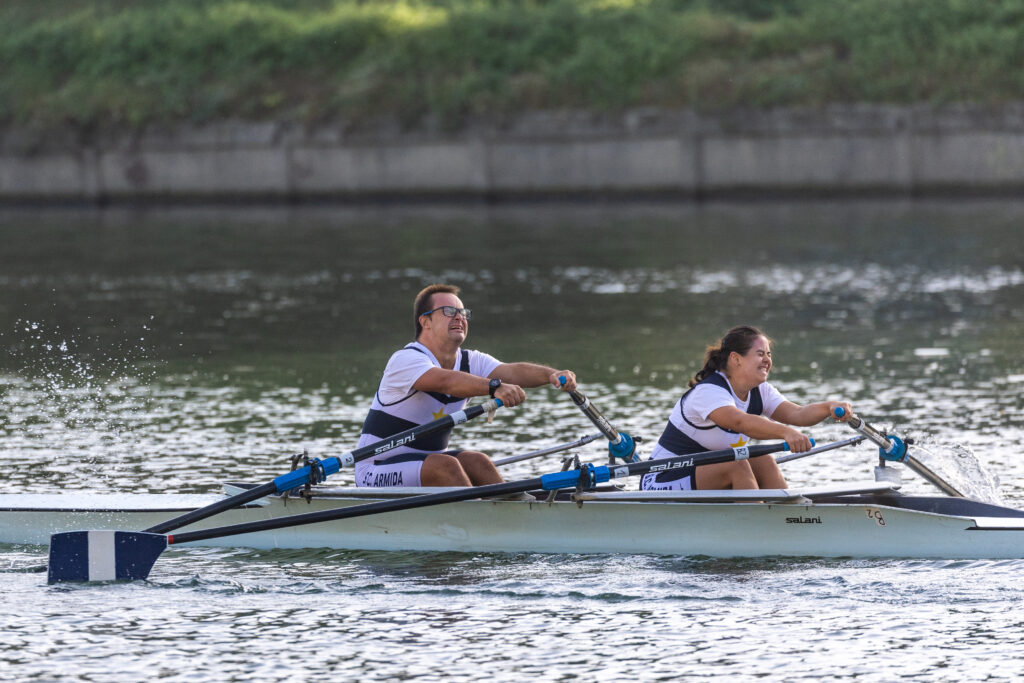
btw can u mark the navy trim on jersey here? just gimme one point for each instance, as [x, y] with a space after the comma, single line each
[413, 457]
[404, 457]
[675, 441]
[754, 407]
[436, 395]
[382, 425]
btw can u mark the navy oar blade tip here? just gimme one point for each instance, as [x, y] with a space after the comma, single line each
[105, 555]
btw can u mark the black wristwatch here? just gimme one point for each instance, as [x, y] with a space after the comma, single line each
[492, 386]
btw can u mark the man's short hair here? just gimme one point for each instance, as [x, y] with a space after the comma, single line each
[422, 303]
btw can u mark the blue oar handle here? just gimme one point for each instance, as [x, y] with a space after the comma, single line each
[786, 445]
[889, 447]
[589, 476]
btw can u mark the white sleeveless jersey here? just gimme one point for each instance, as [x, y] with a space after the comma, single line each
[397, 406]
[690, 431]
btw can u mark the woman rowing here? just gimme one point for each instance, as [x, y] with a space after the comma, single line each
[729, 403]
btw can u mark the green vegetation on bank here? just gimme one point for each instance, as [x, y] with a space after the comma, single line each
[113, 63]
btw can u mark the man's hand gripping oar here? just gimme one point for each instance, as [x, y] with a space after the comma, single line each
[105, 555]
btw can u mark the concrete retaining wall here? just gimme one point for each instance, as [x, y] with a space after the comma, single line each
[854, 149]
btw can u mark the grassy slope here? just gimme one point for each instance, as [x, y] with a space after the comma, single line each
[100, 63]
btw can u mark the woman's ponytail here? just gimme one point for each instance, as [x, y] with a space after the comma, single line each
[716, 356]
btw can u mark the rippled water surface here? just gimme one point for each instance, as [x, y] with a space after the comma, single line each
[169, 350]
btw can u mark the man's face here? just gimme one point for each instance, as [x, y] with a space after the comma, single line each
[439, 327]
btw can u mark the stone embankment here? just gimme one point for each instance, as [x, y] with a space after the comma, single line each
[835, 150]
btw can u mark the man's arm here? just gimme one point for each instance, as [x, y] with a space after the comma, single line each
[465, 385]
[533, 375]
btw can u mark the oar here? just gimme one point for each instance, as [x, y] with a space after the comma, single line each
[894, 449]
[130, 555]
[318, 470]
[620, 444]
[820, 449]
[582, 441]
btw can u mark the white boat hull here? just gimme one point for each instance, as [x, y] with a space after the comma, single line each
[789, 523]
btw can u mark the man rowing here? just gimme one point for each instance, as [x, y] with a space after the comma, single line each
[434, 376]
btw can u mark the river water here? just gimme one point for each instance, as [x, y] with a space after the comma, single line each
[169, 349]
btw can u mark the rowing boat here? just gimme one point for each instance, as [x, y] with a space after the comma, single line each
[862, 520]
[560, 512]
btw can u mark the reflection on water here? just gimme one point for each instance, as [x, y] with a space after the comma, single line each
[169, 350]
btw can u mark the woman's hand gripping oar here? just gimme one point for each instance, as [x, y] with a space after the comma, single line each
[894, 449]
[131, 555]
[95, 555]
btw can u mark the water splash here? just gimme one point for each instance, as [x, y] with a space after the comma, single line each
[958, 465]
[68, 401]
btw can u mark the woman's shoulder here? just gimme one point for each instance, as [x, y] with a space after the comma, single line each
[709, 391]
[713, 383]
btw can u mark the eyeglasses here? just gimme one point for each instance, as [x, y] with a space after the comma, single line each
[451, 312]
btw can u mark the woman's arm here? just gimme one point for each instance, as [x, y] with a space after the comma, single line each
[810, 414]
[759, 427]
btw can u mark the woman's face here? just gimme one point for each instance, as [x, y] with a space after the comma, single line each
[755, 364]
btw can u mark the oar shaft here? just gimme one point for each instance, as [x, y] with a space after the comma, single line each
[587, 477]
[214, 508]
[820, 449]
[931, 477]
[620, 444]
[869, 432]
[582, 441]
[588, 409]
[320, 470]
[896, 449]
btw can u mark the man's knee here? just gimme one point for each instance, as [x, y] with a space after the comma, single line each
[440, 469]
[473, 458]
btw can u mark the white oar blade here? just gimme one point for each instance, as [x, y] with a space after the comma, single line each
[103, 555]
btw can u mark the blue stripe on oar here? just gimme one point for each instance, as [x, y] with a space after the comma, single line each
[104, 555]
[69, 557]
